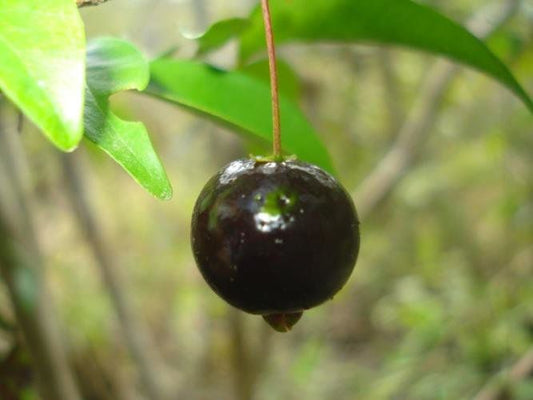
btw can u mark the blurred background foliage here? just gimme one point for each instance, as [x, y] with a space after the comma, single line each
[441, 301]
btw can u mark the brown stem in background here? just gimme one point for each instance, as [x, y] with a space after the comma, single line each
[417, 126]
[392, 94]
[135, 337]
[522, 369]
[244, 381]
[248, 365]
[22, 271]
[276, 124]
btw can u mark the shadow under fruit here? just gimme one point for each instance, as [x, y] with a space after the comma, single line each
[275, 238]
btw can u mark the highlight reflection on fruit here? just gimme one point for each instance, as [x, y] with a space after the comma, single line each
[275, 238]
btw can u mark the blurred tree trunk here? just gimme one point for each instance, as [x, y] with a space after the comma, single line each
[242, 373]
[23, 273]
[392, 93]
[133, 331]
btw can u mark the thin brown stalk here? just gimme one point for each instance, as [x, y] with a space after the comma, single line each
[271, 48]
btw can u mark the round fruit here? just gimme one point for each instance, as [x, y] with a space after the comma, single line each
[275, 238]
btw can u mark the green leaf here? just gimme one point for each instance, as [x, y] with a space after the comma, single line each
[288, 81]
[220, 33]
[238, 100]
[398, 22]
[42, 65]
[114, 65]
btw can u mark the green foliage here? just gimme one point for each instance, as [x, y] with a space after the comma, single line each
[235, 99]
[396, 22]
[220, 32]
[42, 59]
[441, 300]
[288, 80]
[112, 66]
[41, 70]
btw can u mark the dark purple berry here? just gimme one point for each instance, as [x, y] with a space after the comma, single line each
[275, 238]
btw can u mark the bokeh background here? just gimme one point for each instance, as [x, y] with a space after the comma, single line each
[440, 305]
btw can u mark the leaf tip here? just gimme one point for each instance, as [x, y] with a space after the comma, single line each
[166, 194]
[66, 144]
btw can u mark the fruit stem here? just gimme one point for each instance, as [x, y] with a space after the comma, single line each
[269, 35]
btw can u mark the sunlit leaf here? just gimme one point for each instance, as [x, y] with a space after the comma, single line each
[42, 57]
[220, 33]
[396, 22]
[238, 100]
[114, 65]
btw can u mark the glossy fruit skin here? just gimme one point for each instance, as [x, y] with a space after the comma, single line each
[274, 237]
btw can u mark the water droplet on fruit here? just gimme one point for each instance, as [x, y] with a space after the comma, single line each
[266, 222]
[236, 168]
[249, 228]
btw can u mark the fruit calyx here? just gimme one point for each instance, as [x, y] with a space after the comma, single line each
[283, 322]
[273, 158]
[274, 238]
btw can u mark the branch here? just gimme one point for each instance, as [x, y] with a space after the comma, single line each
[416, 128]
[242, 373]
[248, 364]
[495, 389]
[22, 270]
[136, 338]
[392, 93]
